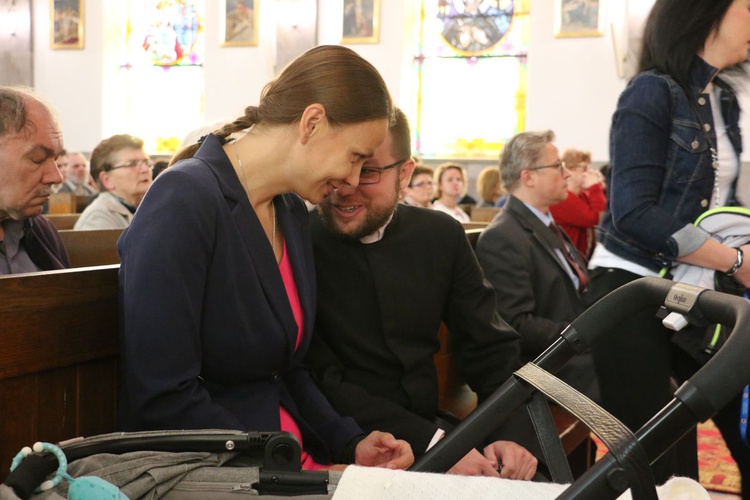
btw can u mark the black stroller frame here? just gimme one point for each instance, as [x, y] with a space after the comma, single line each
[627, 463]
[277, 454]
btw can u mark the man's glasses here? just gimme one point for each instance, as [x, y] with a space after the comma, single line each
[134, 164]
[559, 164]
[371, 175]
[422, 184]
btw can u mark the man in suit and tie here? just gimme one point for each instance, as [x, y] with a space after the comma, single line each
[388, 274]
[538, 275]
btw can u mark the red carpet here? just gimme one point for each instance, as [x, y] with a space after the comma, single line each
[716, 468]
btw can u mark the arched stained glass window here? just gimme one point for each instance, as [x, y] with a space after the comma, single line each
[469, 76]
[161, 71]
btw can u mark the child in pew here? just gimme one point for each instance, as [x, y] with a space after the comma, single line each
[217, 279]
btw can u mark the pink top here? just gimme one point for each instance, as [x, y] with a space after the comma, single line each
[287, 422]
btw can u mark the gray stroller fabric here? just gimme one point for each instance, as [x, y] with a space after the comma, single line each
[169, 475]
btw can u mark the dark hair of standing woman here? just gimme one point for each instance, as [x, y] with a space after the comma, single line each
[675, 31]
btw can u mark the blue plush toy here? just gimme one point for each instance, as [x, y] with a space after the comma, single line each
[83, 488]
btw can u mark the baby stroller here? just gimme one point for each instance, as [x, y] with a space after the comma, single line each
[269, 463]
[630, 454]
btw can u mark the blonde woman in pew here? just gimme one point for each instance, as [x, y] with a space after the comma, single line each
[450, 185]
[123, 171]
[489, 186]
[217, 281]
[30, 141]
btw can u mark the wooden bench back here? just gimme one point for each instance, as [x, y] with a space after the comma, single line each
[68, 203]
[63, 221]
[483, 214]
[97, 247]
[59, 356]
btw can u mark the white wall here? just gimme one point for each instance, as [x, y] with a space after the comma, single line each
[72, 80]
[573, 84]
[572, 89]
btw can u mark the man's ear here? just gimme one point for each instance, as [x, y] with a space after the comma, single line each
[405, 174]
[526, 178]
[313, 118]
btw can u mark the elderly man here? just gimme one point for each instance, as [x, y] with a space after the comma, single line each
[388, 274]
[123, 171]
[75, 170]
[30, 141]
[538, 274]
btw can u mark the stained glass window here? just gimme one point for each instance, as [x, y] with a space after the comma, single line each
[162, 72]
[469, 79]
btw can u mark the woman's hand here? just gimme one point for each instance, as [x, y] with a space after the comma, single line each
[381, 449]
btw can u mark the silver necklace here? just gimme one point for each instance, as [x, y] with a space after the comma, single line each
[244, 184]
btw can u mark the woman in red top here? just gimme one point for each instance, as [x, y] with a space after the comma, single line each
[581, 211]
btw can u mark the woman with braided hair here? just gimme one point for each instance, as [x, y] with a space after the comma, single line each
[217, 282]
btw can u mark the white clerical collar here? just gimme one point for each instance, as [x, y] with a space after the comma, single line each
[378, 234]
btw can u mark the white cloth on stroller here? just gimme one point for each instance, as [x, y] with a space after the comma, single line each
[370, 483]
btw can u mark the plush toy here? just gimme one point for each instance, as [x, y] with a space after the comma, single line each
[82, 488]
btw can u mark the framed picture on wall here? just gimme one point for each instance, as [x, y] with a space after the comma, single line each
[66, 24]
[361, 20]
[239, 23]
[579, 18]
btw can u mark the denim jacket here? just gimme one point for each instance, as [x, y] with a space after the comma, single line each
[662, 174]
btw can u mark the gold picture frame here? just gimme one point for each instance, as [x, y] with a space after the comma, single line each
[239, 23]
[579, 18]
[66, 24]
[360, 22]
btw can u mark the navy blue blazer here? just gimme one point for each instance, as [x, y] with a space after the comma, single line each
[207, 332]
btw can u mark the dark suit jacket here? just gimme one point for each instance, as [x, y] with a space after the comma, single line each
[43, 244]
[379, 310]
[534, 291]
[208, 334]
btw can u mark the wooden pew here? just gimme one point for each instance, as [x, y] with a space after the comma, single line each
[63, 221]
[456, 398]
[483, 214]
[68, 203]
[82, 202]
[97, 247]
[59, 356]
[62, 203]
[473, 235]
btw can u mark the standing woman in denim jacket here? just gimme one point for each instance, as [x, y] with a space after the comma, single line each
[674, 148]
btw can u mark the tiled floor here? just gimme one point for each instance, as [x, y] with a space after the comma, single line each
[723, 496]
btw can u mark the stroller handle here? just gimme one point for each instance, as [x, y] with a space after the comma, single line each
[713, 386]
[703, 395]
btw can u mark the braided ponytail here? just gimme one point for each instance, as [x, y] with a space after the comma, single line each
[249, 119]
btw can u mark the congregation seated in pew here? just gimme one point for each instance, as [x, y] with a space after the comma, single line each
[123, 171]
[76, 174]
[28, 241]
[419, 191]
[539, 276]
[450, 187]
